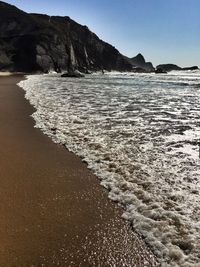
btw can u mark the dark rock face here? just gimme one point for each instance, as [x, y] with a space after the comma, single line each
[139, 62]
[138, 70]
[170, 67]
[33, 42]
[191, 68]
[159, 70]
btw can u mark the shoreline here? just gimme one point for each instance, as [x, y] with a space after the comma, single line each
[53, 210]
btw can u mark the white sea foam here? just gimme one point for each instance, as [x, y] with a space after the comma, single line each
[139, 133]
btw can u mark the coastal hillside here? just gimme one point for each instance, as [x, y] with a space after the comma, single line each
[34, 42]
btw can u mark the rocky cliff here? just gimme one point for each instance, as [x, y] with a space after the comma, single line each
[139, 62]
[33, 42]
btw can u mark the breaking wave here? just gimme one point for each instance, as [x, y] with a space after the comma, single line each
[140, 135]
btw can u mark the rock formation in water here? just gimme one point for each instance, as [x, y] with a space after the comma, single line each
[159, 70]
[34, 42]
[140, 65]
[169, 67]
[191, 68]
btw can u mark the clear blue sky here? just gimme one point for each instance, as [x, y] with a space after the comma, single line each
[164, 31]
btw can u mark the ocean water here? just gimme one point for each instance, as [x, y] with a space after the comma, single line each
[140, 134]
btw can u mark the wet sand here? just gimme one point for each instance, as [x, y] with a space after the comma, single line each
[53, 210]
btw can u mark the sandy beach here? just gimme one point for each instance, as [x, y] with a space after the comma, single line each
[53, 210]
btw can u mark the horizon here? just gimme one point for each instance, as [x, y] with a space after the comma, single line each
[163, 33]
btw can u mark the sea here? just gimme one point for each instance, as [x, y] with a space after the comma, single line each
[140, 135]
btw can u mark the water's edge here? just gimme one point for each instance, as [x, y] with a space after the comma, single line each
[146, 217]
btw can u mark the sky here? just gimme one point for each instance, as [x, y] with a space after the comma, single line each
[164, 31]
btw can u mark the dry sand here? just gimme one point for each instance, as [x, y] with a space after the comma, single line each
[53, 210]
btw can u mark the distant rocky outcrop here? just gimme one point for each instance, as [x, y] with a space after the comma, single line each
[159, 70]
[168, 67]
[191, 68]
[34, 42]
[171, 67]
[140, 65]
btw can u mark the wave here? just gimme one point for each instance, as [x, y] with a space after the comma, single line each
[140, 138]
